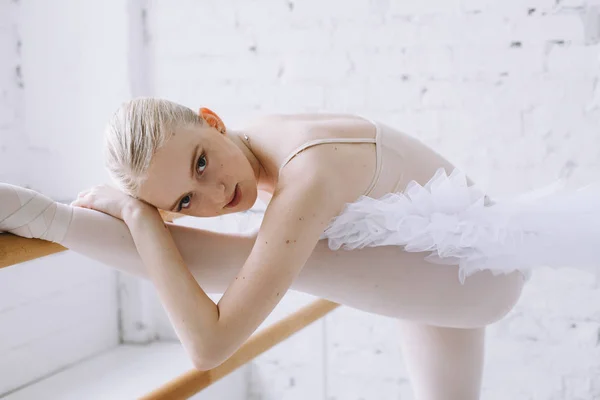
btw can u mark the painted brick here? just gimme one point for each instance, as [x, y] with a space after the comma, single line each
[506, 90]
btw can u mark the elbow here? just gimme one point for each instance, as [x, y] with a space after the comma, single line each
[201, 364]
[205, 361]
[211, 352]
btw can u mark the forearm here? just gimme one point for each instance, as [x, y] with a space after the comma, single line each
[213, 258]
[192, 313]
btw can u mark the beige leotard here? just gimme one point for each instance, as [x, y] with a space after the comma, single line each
[400, 159]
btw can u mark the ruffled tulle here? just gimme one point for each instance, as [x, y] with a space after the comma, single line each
[457, 224]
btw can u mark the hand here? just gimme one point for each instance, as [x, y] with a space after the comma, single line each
[110, 201]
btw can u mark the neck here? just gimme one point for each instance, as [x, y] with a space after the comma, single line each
[244, 142]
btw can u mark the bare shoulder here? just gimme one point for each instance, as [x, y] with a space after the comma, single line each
[345, 168]
[316, 145]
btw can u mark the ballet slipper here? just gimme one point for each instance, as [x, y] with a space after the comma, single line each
[29, 214]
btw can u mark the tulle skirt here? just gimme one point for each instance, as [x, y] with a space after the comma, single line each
[457, 224]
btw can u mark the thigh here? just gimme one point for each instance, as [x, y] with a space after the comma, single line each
[389, 281]
[443, 363]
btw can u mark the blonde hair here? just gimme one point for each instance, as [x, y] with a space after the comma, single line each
[134, 134]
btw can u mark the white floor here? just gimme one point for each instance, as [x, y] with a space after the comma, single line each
[126, 373]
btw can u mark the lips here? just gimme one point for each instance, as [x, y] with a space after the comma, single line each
[236, 198]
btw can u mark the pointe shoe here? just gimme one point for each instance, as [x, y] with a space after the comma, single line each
[29, 214]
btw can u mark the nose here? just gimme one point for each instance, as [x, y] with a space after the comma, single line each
[216, 194]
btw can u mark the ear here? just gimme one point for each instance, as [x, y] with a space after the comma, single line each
[212, 119]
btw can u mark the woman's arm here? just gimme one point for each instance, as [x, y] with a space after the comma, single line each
[212, 332]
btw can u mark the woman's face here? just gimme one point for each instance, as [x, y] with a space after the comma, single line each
[201, 172]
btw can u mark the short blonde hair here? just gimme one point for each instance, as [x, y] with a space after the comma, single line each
[134, 134]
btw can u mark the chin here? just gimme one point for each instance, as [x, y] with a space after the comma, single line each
[249, 196]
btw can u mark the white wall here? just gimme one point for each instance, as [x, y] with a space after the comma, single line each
[10, 82]
[63, 69]
[506, 90]
[54, 312]
[75, 73]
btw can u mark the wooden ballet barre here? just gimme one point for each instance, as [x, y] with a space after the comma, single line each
[16, 249]
[192, 382]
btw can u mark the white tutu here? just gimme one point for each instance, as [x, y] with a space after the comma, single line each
[454, 222]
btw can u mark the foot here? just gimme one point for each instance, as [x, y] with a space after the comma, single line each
[29, 214]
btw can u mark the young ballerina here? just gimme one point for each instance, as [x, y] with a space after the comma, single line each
[334, 177]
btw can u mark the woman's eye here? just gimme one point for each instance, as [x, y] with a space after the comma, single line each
[185, 202]
[201, 166]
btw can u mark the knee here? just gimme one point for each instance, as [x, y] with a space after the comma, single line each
[500, 295]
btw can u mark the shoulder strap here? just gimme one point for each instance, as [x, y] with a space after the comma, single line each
[316, 142]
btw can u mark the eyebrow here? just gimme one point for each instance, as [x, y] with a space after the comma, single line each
[192, 168]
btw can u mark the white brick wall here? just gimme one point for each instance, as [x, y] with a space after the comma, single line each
[507, 90]
[60, 74]
[10, 83]
[75, 72]
[54, 312]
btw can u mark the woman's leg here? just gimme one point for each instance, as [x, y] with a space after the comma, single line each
[394, 283]
[443, 363]
[213, 258]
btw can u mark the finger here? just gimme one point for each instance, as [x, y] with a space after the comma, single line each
[78, 203]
